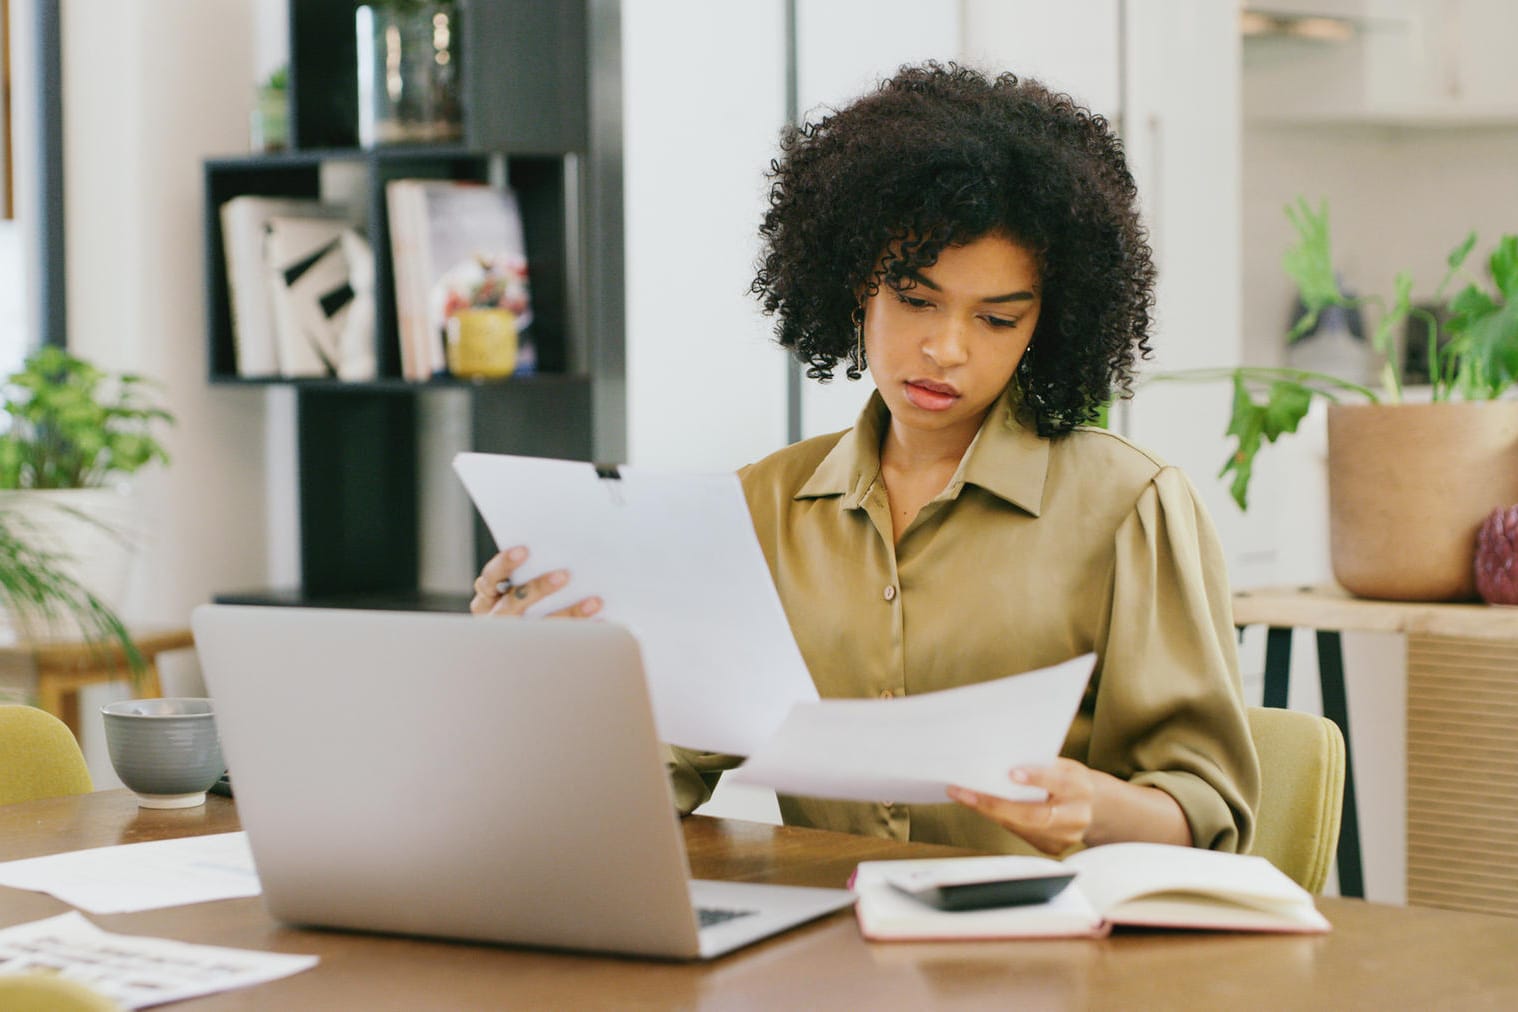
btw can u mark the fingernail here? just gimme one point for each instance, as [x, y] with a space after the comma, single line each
[590, 606]
[1018, 776]
[960, 794]
[517, 554]
[558, 578]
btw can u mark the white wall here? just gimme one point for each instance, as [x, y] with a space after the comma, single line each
[703, 98]
[271, 37]
[15, 333]
[844, 48]
[1181, 128]
[1074, 46]
[150, 89]
[24, 152]
[20, 148]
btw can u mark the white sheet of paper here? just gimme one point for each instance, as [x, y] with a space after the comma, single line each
[142, 876]
[133, 970]
[675, 559]
[911, 749]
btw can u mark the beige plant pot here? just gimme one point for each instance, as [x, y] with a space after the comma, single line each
[1408, 486]
[93, 531]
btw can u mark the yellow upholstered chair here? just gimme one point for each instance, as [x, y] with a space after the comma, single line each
[44, 992]
[39, 757]
[1301, 792]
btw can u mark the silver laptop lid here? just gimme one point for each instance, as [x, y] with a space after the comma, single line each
[496, 780]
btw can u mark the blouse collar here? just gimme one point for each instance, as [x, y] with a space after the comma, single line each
[1005, 458]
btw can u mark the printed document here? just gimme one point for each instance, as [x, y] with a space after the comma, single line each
[141, 876]
[674, 558]
[911, 749]
[137, 972]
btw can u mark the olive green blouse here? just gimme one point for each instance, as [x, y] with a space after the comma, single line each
[1037, 550]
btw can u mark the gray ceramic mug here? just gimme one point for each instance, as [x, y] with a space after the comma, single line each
[166, 751]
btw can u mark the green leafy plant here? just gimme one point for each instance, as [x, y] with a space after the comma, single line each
[35, 584]
[72, 425]
[1472, 354]
[68, 425]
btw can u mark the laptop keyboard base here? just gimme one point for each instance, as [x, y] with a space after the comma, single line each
[707, 917]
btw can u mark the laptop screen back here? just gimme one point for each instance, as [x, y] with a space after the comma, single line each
[496, 780]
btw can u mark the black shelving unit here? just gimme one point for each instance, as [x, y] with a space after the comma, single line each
[528, 111]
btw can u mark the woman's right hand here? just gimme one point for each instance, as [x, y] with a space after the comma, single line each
[496, 593]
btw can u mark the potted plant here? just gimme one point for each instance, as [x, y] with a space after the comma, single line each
[72, 434]
[271, 112]
[1409, 483]
[484, 302]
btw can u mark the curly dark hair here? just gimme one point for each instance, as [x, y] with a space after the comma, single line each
[938, 156]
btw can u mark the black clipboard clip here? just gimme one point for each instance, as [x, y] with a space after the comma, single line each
[611, 480]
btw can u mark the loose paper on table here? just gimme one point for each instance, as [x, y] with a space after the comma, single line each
[135, 971]
[674, 558]
[911, 749]
[142, 876]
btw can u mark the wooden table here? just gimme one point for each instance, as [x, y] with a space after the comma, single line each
[62, 667]
[1462, 732]
[1377, 956]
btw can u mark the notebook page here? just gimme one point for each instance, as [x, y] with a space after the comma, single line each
[1115, 873]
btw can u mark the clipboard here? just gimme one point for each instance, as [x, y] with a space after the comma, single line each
[674, 558]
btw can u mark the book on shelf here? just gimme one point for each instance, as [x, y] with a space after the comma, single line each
[453, 245]
[320, 277]
[356, 324]
[245, 228]
[1137, 884]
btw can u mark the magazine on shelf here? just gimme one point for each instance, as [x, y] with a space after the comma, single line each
[1138, 884]
[245, 226]
[454, 245]
[309, 271]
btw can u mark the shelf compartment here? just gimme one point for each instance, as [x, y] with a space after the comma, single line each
[524, 81]
[543, 188]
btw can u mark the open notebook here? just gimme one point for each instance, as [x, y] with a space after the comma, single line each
[1147, 884]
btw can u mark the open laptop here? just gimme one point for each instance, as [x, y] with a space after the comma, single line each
[493, 780]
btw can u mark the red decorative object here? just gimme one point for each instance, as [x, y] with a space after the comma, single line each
[1497, 557]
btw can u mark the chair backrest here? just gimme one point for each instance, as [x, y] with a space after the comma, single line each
[1301, 792]
[35, 991]
[39, 757]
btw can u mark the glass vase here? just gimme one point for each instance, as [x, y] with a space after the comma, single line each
[408, 73]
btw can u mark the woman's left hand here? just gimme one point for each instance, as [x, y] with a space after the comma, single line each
[1053, 825]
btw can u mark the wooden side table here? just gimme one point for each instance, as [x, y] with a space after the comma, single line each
[63, 667]
[1462, 733]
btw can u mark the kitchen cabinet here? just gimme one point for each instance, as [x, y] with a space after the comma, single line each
[1412, 63]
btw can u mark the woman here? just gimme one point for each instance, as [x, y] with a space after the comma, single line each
[974, 243]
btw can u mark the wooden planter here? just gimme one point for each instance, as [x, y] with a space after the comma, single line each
[1408, 485]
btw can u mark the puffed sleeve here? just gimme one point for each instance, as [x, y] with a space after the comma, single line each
[1169, 709]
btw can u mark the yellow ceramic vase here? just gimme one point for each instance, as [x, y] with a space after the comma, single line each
[482, 343]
